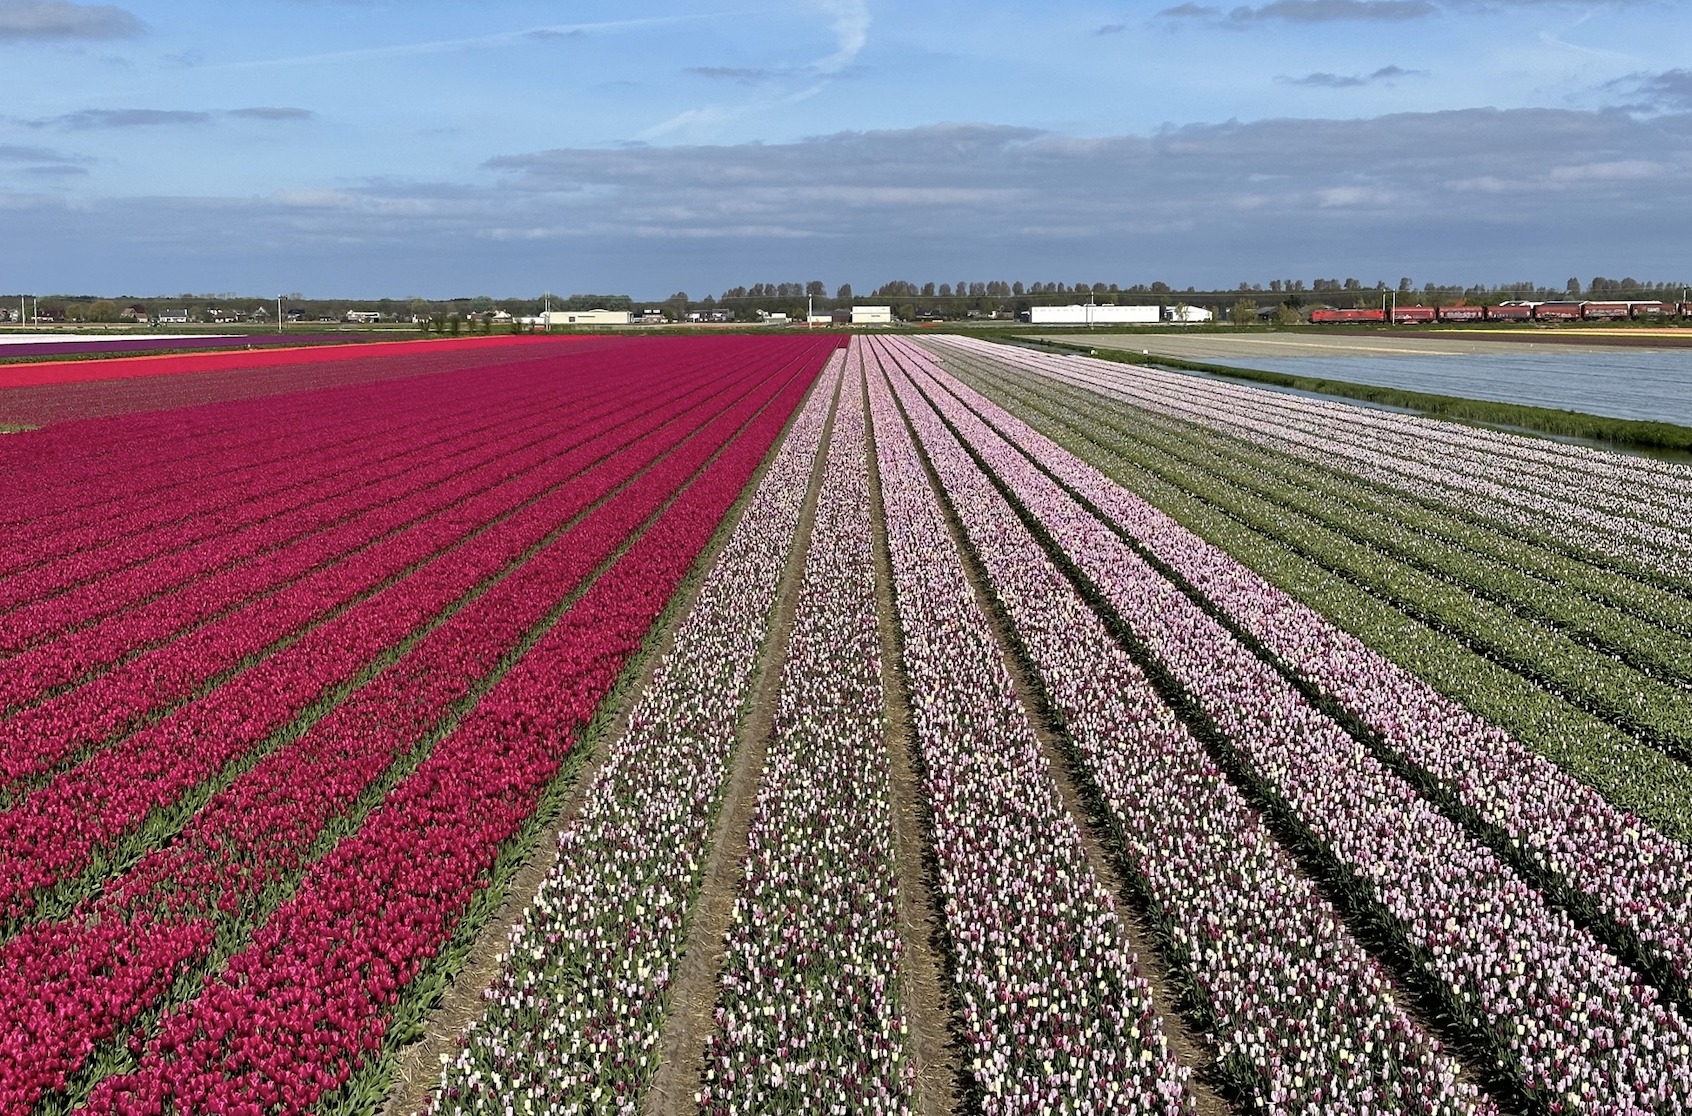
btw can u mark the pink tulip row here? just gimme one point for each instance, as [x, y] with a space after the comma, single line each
[299, 1010]
[809, 1012]
[35, 740]
[285, 553]
[574, 1018]
[1633, 874]
[1254, 414]
[1054, 1013]
[67, 985]
[55, 831]
[1574, 1023]
[1301, 1017]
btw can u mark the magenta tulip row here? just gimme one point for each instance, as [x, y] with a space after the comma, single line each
[1569, 1019]
[55, 831]
[1054, 1013]
[294, 1014]
[809, 1013]
[64, 982]
[574, 1019]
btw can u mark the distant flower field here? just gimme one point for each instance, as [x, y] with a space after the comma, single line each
[744, 724]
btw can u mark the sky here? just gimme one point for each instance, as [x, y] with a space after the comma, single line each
[378, 148]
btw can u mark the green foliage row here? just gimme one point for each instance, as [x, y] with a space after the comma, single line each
[1629, 773]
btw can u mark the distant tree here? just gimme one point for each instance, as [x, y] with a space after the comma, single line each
[1244, 312]
[102, 310]
[1573, 286]
[1018, 289]
[482, 304]
[455, 324]
[1353, 285]
[844, 292]
[1404, 285]
[945, 290]
[1287, 315]
[815, 289]
[928, 290]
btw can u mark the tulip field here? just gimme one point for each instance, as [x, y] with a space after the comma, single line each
[739, 724]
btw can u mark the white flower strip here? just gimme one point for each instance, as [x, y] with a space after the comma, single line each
[809, 1017]
[1302, 1017]
[1639, 878]
[1312, 430]
[1575, 1024]
[573, 1021]
[1054, 1013]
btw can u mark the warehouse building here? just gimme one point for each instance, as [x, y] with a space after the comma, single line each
[587, 318]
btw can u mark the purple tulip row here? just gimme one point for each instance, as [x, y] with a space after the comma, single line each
[1301, 428]
[1054, 1013]
[69, 984]
[1563, 1014]
[56, 831]
[1301, 1017]
[809, 1013]
[296, 1015]
[1637, 877]
[573, 1021]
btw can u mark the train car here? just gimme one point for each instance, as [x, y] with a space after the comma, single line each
[1557, 312]
[1652, 309]
[1604, 311]
[1509, 313]
[1330, 316]
[1686, 309]
[1462, 313]
[1413, 314]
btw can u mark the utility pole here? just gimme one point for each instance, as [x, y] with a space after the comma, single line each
[278, 314]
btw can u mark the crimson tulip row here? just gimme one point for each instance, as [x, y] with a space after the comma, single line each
[233, 490]
[1562, 1014]
[146, 686]
[306, 1004]
[282, 554]
[1663, 551]
[1054, 1013]
[1611, 862]
[71, 984]
[809, 1012]
[56, 830]
[1300, 1015]
[573, 1020]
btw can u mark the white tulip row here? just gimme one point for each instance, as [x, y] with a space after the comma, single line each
[1302, 1018]
[809, 1017]
[1571, 1021]
[1054, 1013]
[573, 1021]
[1351, 440]
[1639, 878]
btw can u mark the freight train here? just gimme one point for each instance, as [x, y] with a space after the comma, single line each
[1591, 311]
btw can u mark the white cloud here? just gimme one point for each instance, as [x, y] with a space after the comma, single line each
[60, 19]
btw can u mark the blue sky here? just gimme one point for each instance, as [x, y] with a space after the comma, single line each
[366, 147]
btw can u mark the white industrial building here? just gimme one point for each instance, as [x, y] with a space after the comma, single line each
[1115, 315]
[872, 315]
[587, 318]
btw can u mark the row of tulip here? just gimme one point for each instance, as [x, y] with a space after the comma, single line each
[1545, 511]
[1301, 1018]
[120, 791]
[38, 740]
[1651, 494]
[1611, 863]
[1573, 1024]
[71, 984]
[810, 1010]
[1642, 625]
[1053, 1011]
[297, 1015]
[573, 1020]
[245, 486]
[1651, 704]
[257, 589]
[141, 555]
[1633, 776]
